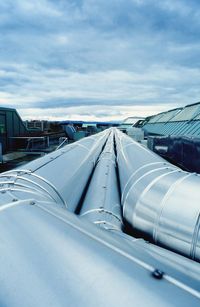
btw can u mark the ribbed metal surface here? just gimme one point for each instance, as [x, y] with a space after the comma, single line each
[190, 129]
[60, 176]
[102, 202]
[53, 257]
[184, 122]
[159, 199]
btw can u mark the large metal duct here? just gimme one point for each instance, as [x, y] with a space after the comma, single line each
[60, 177]
[159, 199]
[102, 202]
[51, 257]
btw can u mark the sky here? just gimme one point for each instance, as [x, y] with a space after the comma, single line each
[98, 59]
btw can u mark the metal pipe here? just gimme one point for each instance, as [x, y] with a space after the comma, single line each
[158, 198]
[46, 251]
[102, 202]
[60, 176]
[51, 257]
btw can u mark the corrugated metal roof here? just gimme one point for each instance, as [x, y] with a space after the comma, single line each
[181, 121]
[197, 117]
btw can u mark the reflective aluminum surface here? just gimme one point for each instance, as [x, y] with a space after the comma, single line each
[60, 176]
[50, 257]
[102, 202]
[159, 199]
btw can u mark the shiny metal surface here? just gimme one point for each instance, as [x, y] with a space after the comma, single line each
[51, 257]
[102, 202]
[158, 198]
[60, 176]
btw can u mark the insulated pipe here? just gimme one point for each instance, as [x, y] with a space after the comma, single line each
[102, 203]
[50, 257]
[60, 176]
[159, 199]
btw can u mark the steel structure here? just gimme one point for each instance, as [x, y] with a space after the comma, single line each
[53, 257]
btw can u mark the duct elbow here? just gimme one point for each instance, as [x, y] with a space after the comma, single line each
[164, 205]
[159, 200]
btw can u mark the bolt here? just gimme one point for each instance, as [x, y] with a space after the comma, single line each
[158, 274]
[32, 202]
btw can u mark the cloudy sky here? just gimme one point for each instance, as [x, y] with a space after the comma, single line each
[98, 59]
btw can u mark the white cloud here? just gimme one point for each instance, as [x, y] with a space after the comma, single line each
[37, 7]
[91, 113]
[64, 54]
[158, 84]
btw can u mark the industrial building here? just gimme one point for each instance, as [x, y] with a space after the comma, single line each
[11, 125]
[180, 122]
[174, 134]
[21, 142]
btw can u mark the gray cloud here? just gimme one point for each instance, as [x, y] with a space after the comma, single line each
[67, 53]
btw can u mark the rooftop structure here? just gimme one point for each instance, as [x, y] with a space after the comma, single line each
[63, 226]
[180, 122]
[130, 122]
[11, 125]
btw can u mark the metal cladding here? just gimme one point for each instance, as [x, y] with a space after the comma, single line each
[51, 257]
[102, 202]
[158, 198]
[179, 122]
[59, 177]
